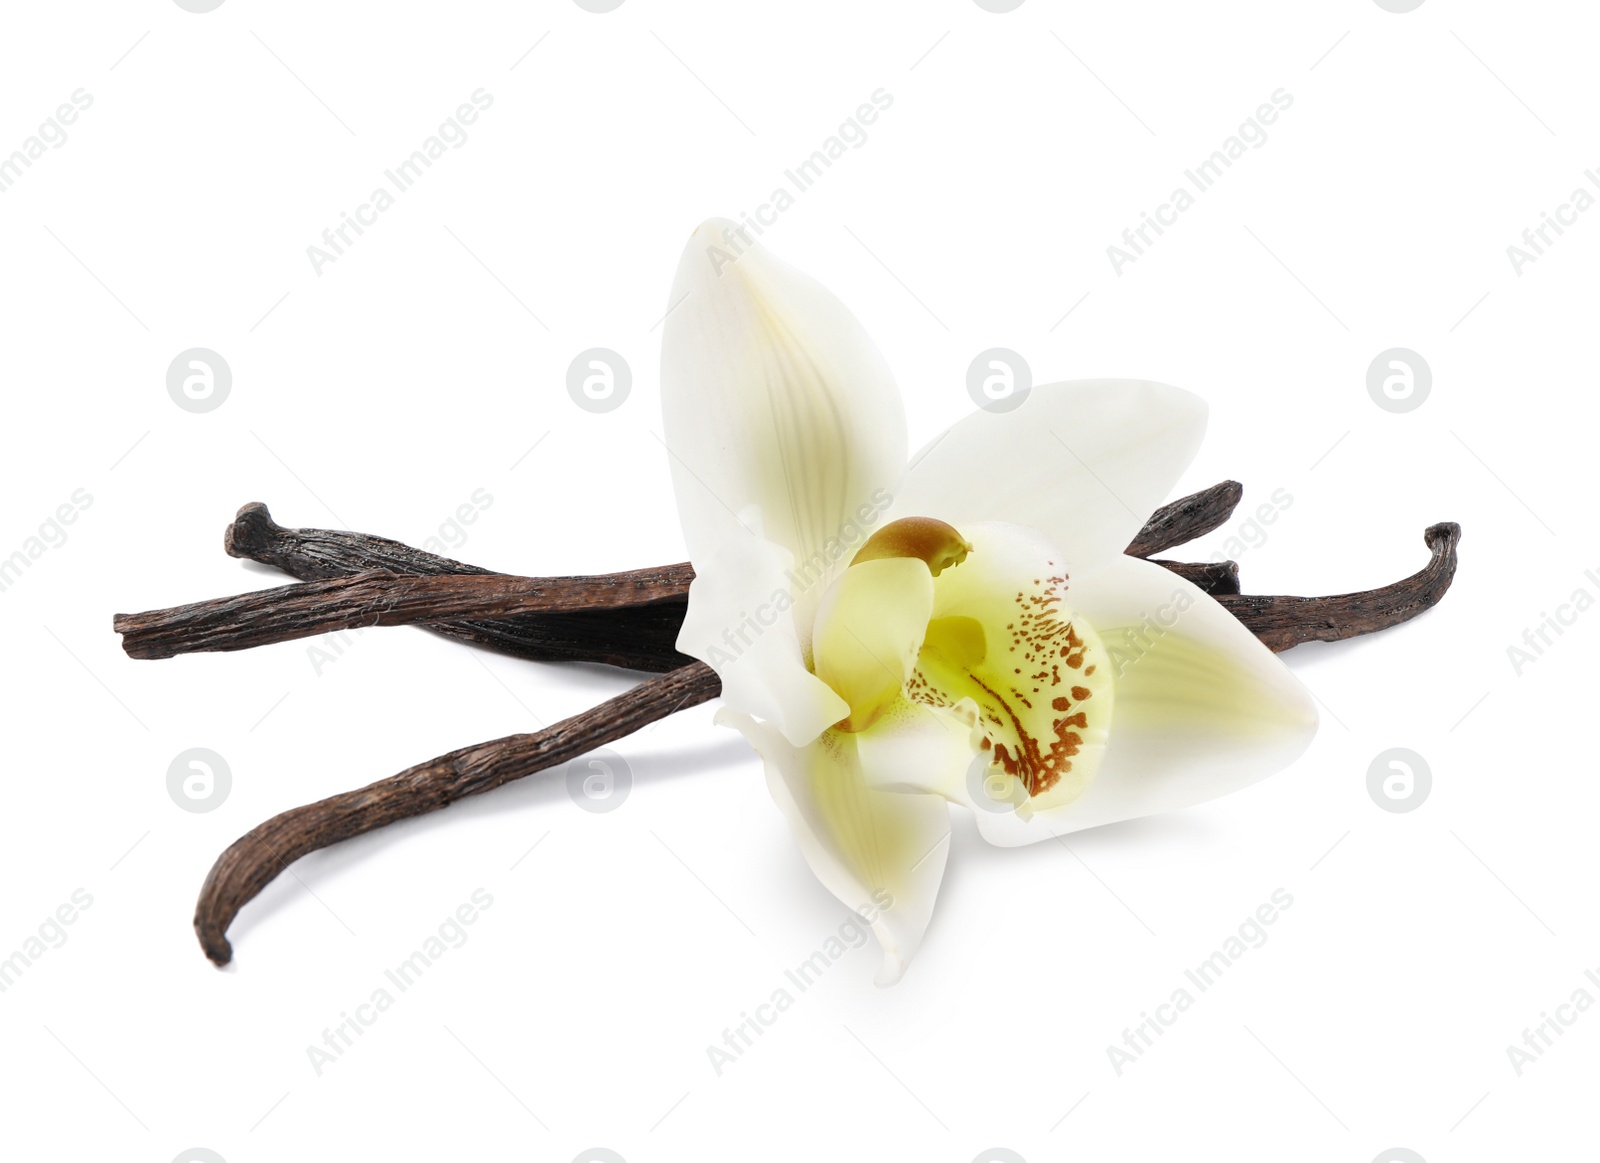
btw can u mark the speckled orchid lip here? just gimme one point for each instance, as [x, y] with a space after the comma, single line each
[993, 642]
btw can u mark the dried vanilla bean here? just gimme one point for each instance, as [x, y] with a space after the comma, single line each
[311, 554]
[636, 638]
[1186, 518]
[1281, 622]
[255, 859]
[381, 599]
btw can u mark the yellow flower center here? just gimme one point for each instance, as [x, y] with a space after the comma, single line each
[979, 629]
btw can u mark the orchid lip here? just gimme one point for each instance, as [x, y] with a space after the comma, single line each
[992, 642]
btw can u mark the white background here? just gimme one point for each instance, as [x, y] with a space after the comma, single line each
[428, 360]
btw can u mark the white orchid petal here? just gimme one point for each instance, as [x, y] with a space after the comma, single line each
[869, 628]
[1202, 707]
[734, 624]
[881, 854]
[1083, 463]
[783, 426]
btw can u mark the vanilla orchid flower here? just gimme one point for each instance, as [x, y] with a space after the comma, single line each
[893, 637]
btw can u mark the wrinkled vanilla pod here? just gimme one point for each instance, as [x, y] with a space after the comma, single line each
[640, 638]
[1187, 518]
[1281, 622]
[383, 599]
[255, 859]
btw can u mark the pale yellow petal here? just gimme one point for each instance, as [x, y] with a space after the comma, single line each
[869, 629]
[881, 853]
